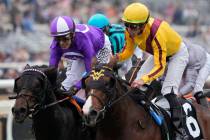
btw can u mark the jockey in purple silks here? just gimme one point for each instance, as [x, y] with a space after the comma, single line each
[77, 44]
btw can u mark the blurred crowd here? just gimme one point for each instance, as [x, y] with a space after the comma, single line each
[24, 24]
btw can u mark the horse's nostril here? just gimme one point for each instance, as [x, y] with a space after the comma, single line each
[18, 110]
[22, 110]
[93, 113]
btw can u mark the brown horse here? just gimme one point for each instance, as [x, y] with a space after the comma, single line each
[53, 116]
[116, 115]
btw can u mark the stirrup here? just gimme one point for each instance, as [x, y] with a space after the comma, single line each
[201, 99]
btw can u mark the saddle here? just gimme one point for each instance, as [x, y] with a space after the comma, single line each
[159, 115]
[189, 128]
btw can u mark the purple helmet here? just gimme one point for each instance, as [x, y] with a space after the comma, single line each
[61, 26]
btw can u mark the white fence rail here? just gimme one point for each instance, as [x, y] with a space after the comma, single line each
[6, 83]
[6, 114]
[9, 83]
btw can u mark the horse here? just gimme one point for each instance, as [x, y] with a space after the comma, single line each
[53, 116]
[112, 111]
[117, 116]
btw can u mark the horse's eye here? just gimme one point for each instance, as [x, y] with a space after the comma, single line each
[108, 85]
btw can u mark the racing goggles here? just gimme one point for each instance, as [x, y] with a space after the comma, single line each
[133, 26]
[64, 38]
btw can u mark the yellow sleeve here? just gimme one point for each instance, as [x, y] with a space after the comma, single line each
[159, 49]
[128, 48]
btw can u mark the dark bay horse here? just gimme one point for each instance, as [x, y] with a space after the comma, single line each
[37, 97]
[117, 116]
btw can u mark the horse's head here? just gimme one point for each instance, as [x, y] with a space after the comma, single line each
[31, 88]
[100, 88]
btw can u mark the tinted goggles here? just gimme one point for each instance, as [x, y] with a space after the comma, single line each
[64, 38]
[133, 26]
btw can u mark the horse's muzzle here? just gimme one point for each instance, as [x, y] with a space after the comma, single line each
[93, 118]
[19, 114]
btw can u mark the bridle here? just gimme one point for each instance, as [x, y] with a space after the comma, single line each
[111, 92]
[40, 100]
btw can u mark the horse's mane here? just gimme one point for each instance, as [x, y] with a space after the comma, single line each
[39, 66]
[51, 73]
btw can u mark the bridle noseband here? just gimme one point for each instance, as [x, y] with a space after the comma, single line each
[40, 105]
[100, 85]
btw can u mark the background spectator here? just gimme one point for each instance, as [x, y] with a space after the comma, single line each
[24, 24]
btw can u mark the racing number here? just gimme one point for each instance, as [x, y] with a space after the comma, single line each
[191, 122]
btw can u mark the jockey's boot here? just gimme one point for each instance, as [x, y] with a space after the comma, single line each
[201, 99]
[176, 109]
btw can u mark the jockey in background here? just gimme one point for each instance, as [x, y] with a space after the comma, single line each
[166, 48]
[77, 44]
[196, 73]
[116, 35]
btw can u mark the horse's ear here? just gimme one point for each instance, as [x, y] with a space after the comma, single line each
[94, 62]
[51, 73]
[27, 66]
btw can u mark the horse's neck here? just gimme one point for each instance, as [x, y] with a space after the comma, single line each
[125, 117]
[48, 114]
[55, 109]
[125, 108]
[48, 123]
[50, 98]
[120, 117]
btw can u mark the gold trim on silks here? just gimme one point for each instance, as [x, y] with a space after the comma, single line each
[96, 75]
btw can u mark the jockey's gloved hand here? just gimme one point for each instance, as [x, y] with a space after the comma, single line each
[60, 90]
[73, 90]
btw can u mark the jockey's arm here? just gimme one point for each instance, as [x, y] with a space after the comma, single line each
[128, 49]
[159, 50]
[55, 55]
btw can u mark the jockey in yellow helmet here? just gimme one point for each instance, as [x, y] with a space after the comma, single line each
[165, 45]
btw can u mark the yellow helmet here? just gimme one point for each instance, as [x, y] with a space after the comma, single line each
[136, 13]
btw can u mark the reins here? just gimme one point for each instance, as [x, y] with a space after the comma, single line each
[122, 96]
[100, 86]
[32, 111]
